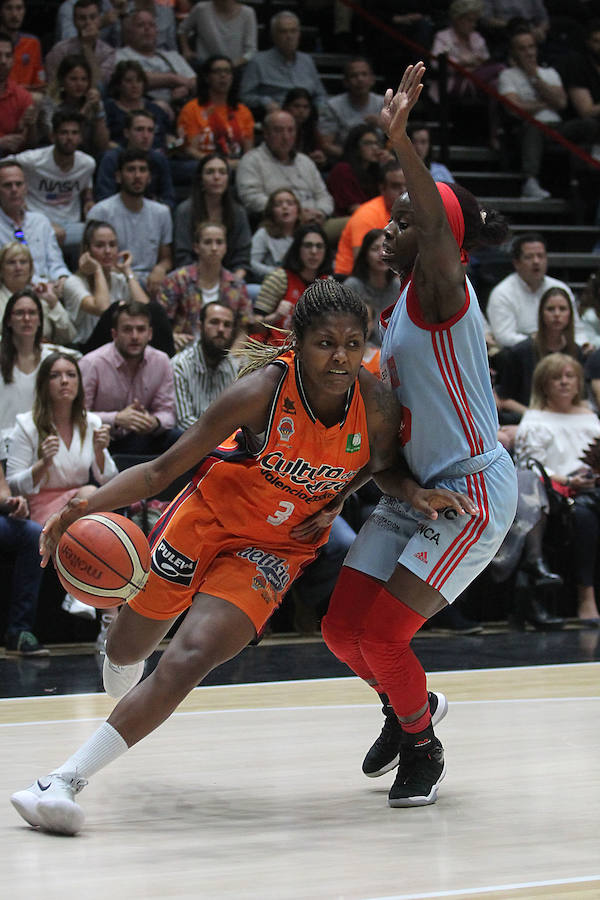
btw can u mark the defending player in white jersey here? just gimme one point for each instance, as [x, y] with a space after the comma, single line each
[404, 567]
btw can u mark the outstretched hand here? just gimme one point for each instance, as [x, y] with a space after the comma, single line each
[397, 107]
[57, 524]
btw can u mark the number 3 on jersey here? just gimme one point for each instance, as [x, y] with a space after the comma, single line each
[282, 513]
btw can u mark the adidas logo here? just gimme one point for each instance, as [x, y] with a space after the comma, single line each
[422, 556]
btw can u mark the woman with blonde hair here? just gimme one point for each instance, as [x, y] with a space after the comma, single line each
[16, 270]
[556, 430]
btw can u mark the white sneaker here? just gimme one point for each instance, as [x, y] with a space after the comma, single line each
[74, 606]
[120, 679]
[49, 804]
[532, 190]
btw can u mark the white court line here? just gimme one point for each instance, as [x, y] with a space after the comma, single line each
[490, 889]
[340, 679]
[311, 708]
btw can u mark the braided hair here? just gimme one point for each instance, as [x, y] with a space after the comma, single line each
[321, 298]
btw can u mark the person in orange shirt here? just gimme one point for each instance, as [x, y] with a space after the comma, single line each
[215, 121]
[27, 69]
[304, 422]
[374, 213]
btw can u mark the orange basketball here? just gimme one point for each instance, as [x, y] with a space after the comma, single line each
[103, 559]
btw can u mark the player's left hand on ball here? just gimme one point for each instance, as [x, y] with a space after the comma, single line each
[428, 501]
[57, 524]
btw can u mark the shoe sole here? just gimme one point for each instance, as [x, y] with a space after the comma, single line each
[60, 816]
[25, 804]
[422, 800]
[440, 712]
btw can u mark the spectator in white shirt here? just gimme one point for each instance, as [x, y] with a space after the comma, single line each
[512, 308]
[59, 180]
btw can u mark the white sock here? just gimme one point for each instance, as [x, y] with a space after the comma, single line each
[105, 745]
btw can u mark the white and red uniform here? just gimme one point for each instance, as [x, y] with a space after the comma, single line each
[440, 375]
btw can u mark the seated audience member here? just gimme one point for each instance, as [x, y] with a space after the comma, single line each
[54, 446]
[21, 352]
[420, 136]
[299, 103]
[538, 91]
[205, 368]
[87, 43]
[583, 77]
[374, 213]
[219, 27]
[19, 540]
[130, 385]
[357, 176]
[272, 240]
[270, 74]
[139, 135]
[462, 44]
[73, 88]
[29, 227]
[308, 258]
[185, 291]
[126, 93]
[589, 308]
[213, 200]
[171, 80]
[16, 271]
[18, 112]
[556, 430]
[512, 308]
[592, 375]
[27, 68]
[59, 180]
[499, 15]
[110, 28]
[141, 225]
[358, 105]
[373, 280]
[276, 164]
[216, 121]
[105, 276]
[555, 334]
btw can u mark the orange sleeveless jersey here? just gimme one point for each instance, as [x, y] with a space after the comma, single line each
[298, 467]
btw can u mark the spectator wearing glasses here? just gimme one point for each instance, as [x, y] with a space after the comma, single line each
[29, 227]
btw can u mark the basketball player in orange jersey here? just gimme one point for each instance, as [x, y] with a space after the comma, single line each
[309, 425]
[402, 569]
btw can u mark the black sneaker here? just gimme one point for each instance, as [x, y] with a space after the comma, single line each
[25, 644]
[420, 772]
[385, 752]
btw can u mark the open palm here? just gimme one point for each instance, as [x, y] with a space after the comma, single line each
[396, 107]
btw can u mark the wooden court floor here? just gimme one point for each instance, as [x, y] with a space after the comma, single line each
[255, 791]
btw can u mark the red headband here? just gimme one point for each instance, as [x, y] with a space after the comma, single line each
[454, 215]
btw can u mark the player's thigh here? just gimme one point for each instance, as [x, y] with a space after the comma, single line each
[133, 637]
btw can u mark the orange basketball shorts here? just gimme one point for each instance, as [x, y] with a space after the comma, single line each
[192, 553]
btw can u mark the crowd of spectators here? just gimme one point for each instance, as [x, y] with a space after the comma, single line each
[167, 189]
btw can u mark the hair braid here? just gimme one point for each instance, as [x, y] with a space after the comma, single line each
[321, 298]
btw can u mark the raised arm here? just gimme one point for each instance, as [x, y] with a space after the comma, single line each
[438, 272]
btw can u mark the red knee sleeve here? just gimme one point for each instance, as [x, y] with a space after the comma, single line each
[385, 647]
[343, 626]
